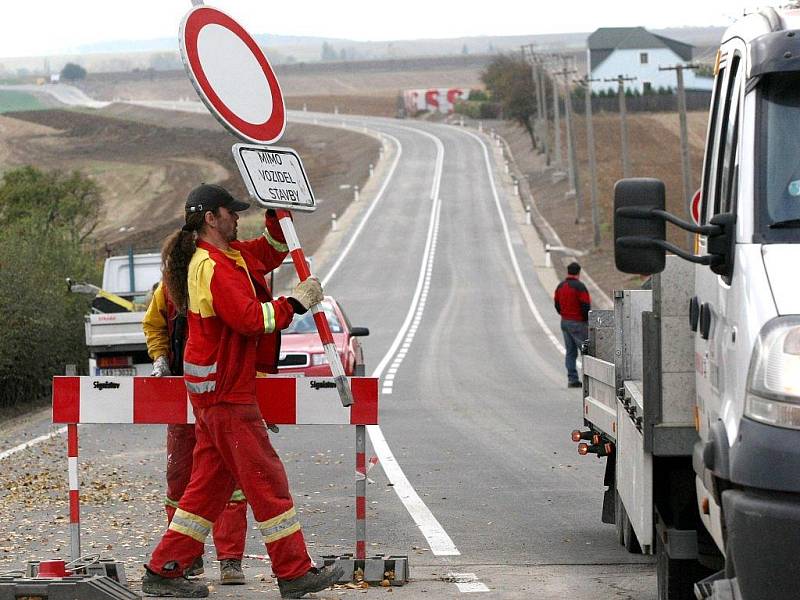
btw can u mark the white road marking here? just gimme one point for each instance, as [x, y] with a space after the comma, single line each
[536, 314]
[33, 442]
[439, 541]
[467, 582]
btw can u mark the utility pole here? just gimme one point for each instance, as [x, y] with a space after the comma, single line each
[587, 81]
[623, 114]
[571, 154]
[685, 166]
[543, 104]
[557, 123]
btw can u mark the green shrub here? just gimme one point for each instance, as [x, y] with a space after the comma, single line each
[43, 323]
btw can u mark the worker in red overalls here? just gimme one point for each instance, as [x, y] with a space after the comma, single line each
[165, 334]
[220, 282]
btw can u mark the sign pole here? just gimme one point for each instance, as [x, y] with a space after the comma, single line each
[324, 330]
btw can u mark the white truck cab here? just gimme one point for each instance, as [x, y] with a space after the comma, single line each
[745, 308]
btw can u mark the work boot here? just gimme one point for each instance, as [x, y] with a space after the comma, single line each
[154, 584]
[314, 580]
[196, 569]
[230, 571]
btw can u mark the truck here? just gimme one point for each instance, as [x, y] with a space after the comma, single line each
[113, 329]
[692, 386]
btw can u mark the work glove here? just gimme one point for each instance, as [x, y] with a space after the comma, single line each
[308, 292]
[160, 367]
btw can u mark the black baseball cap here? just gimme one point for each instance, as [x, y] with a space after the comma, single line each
[208, 196]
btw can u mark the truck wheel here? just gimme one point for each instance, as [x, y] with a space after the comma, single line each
[676, 578]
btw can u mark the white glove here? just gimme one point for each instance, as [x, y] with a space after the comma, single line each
[308, 292]
[160, 367]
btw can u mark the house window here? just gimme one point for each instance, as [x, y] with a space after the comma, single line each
[643, 58]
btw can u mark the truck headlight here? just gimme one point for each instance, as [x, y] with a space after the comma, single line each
[773, 387]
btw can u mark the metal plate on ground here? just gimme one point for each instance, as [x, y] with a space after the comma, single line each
[374, 570]
[274, 177]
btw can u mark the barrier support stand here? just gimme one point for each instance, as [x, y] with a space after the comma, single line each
[74, 493]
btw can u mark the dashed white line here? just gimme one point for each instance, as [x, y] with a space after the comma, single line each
[438, 540]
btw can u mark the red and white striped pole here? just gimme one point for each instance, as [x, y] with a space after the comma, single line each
[74, 493]
[361, 492]
[303, 272]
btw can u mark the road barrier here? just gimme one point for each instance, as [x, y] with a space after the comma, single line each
[282, 401]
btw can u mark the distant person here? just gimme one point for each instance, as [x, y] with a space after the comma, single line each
[573, 303]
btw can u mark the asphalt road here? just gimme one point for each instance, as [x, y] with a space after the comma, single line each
[474, 433]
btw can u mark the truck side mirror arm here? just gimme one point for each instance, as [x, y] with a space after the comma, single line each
[636, 212]
[643, 242]
[720, 232]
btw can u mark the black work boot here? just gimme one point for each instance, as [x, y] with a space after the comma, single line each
[314, 580]
[230, 571]
[196, 569]
[154, 584]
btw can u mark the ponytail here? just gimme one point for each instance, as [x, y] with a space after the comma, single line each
[175, 256]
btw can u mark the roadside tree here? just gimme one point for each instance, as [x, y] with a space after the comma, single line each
[509, 79]
[40, 215]
[73, 72]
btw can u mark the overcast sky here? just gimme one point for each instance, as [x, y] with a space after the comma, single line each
[41, 27]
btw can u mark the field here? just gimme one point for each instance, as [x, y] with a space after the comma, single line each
[13, 101]
[147, 160]
[654, 151]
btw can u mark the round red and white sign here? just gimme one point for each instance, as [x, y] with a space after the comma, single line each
[232, 75]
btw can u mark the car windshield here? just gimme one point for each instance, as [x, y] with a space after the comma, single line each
[305, 323]
[779, 211]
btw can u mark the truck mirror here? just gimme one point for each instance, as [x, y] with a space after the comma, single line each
[635, 238]
[723, 245]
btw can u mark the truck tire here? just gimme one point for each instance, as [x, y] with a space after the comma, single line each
[676, 578]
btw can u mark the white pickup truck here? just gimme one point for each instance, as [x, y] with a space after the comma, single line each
[114, 333]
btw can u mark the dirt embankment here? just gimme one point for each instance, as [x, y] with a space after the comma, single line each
[654, 151]
[147, 160]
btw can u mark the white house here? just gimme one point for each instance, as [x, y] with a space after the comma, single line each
[635, 52]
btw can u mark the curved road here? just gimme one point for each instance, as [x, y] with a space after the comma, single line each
[480, 478]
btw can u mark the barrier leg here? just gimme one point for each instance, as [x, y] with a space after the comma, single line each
[74, 492]
[361, 492]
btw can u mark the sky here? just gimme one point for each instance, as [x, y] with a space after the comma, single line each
[42, 27]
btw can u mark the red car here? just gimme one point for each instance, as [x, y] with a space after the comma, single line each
[302, 351]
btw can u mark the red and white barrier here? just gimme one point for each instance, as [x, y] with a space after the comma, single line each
[163, 400]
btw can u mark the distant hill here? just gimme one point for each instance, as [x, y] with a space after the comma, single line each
[162, 54]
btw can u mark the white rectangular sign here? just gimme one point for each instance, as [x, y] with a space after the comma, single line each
[274, 176]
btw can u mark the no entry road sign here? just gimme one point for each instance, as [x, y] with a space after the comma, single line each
[232, 75]
[275, 177]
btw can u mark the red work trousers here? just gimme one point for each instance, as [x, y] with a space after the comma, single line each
[232, 445]
[230, 529]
